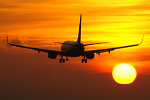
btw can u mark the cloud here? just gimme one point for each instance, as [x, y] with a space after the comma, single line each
[43, 1]
[8, 6]
[23, 15]
[4, 47]
[16, 41]
[144, 58]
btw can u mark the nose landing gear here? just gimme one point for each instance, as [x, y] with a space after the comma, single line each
[61, 60]
[67, 59]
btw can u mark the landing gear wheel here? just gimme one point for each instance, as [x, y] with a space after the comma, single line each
[85, 60]
[67, 59]
[63, 60]
[60, 60]
[82, 60]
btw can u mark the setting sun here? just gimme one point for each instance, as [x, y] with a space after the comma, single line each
[124, 73]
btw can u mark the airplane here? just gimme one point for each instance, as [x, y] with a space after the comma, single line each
[73, 49]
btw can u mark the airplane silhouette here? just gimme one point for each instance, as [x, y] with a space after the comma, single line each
[74, 49]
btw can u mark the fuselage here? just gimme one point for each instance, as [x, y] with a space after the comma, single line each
[72, 48]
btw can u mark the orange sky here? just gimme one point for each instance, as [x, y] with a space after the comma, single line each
[118, 22]
[38, 23]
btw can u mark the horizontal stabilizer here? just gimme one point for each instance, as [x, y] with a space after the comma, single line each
[95, 43]
[64, 43]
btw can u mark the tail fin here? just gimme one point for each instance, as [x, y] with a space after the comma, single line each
[79, 35]
[7, 39]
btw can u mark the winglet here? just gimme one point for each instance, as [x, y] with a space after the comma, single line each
[7, 39]
[95, 43]
[142, 39]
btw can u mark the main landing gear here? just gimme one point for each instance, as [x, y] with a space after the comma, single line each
[63, 60]
[67, 59]
[84, 60]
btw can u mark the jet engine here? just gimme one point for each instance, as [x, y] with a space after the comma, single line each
[90, 55]
[52, 55]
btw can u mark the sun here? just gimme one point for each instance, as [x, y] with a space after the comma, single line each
[124, 73]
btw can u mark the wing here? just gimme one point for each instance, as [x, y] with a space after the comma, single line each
[110, 49]
[37, 49]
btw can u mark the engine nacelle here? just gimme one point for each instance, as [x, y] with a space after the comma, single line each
[90, 55]
[52, 55]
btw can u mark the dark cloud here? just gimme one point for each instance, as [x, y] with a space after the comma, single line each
[16, 41]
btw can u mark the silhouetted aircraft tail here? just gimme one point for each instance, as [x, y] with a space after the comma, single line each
[79, 35]
[7, 39]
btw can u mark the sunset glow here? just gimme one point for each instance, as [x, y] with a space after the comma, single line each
[28, 75]
[40, 23]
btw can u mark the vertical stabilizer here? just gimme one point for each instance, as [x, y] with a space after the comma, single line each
[7, 39]
[79, 35]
